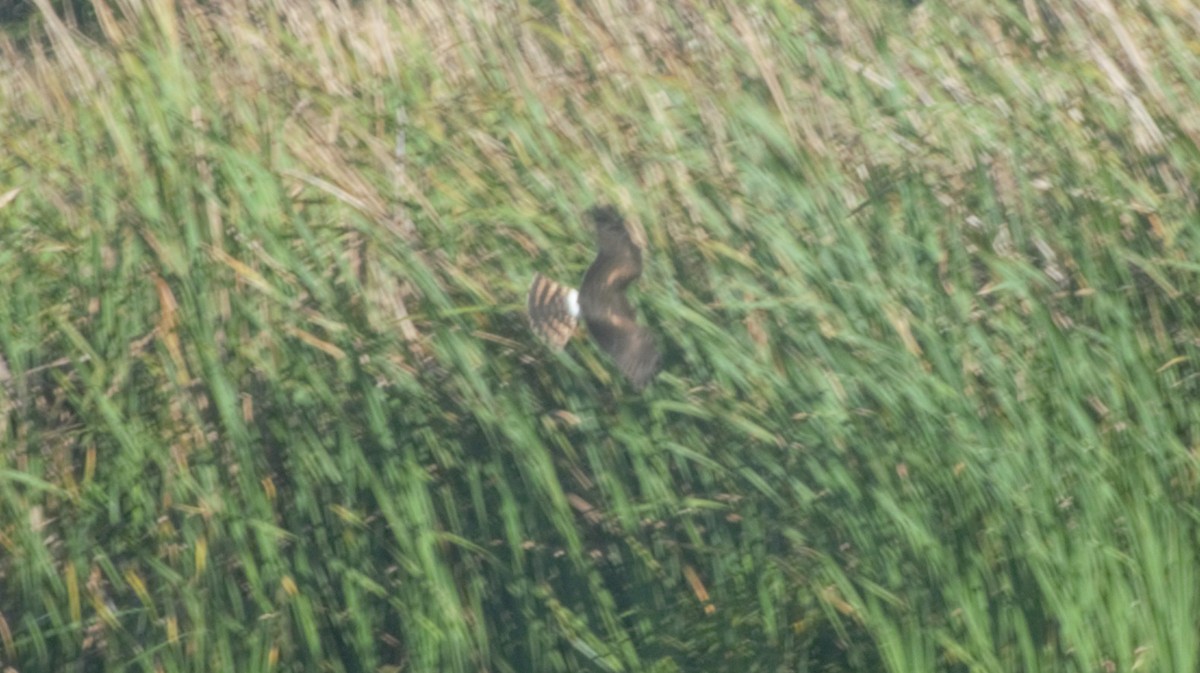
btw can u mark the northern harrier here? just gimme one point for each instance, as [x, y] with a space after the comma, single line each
[554, 309]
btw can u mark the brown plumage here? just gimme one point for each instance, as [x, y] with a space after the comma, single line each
[554, 308]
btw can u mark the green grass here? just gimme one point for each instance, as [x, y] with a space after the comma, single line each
[925, 279]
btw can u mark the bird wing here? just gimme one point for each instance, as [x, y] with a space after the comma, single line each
[553, 311]
[609, 316]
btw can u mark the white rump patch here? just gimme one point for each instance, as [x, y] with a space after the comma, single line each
[573, 303]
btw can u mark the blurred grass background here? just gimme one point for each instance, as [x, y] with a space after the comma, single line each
[925, 276]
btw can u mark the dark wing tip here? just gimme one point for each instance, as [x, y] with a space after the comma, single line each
[610, 226]
[605, 214]
[640, 362]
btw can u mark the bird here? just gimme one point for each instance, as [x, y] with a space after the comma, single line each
[555, 309]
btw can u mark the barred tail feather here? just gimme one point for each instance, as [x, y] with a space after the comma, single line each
[553, 311]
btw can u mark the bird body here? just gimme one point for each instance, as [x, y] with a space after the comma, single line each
[554, 309]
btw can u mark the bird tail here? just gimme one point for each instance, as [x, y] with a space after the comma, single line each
[553, 311]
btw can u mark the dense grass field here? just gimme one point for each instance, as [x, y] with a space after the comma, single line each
[925, 277]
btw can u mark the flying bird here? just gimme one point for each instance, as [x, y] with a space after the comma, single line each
[555, 309]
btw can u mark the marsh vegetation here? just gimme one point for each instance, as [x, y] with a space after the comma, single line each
[924, 278]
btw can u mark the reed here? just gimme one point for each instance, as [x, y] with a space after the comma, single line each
[924, 278]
